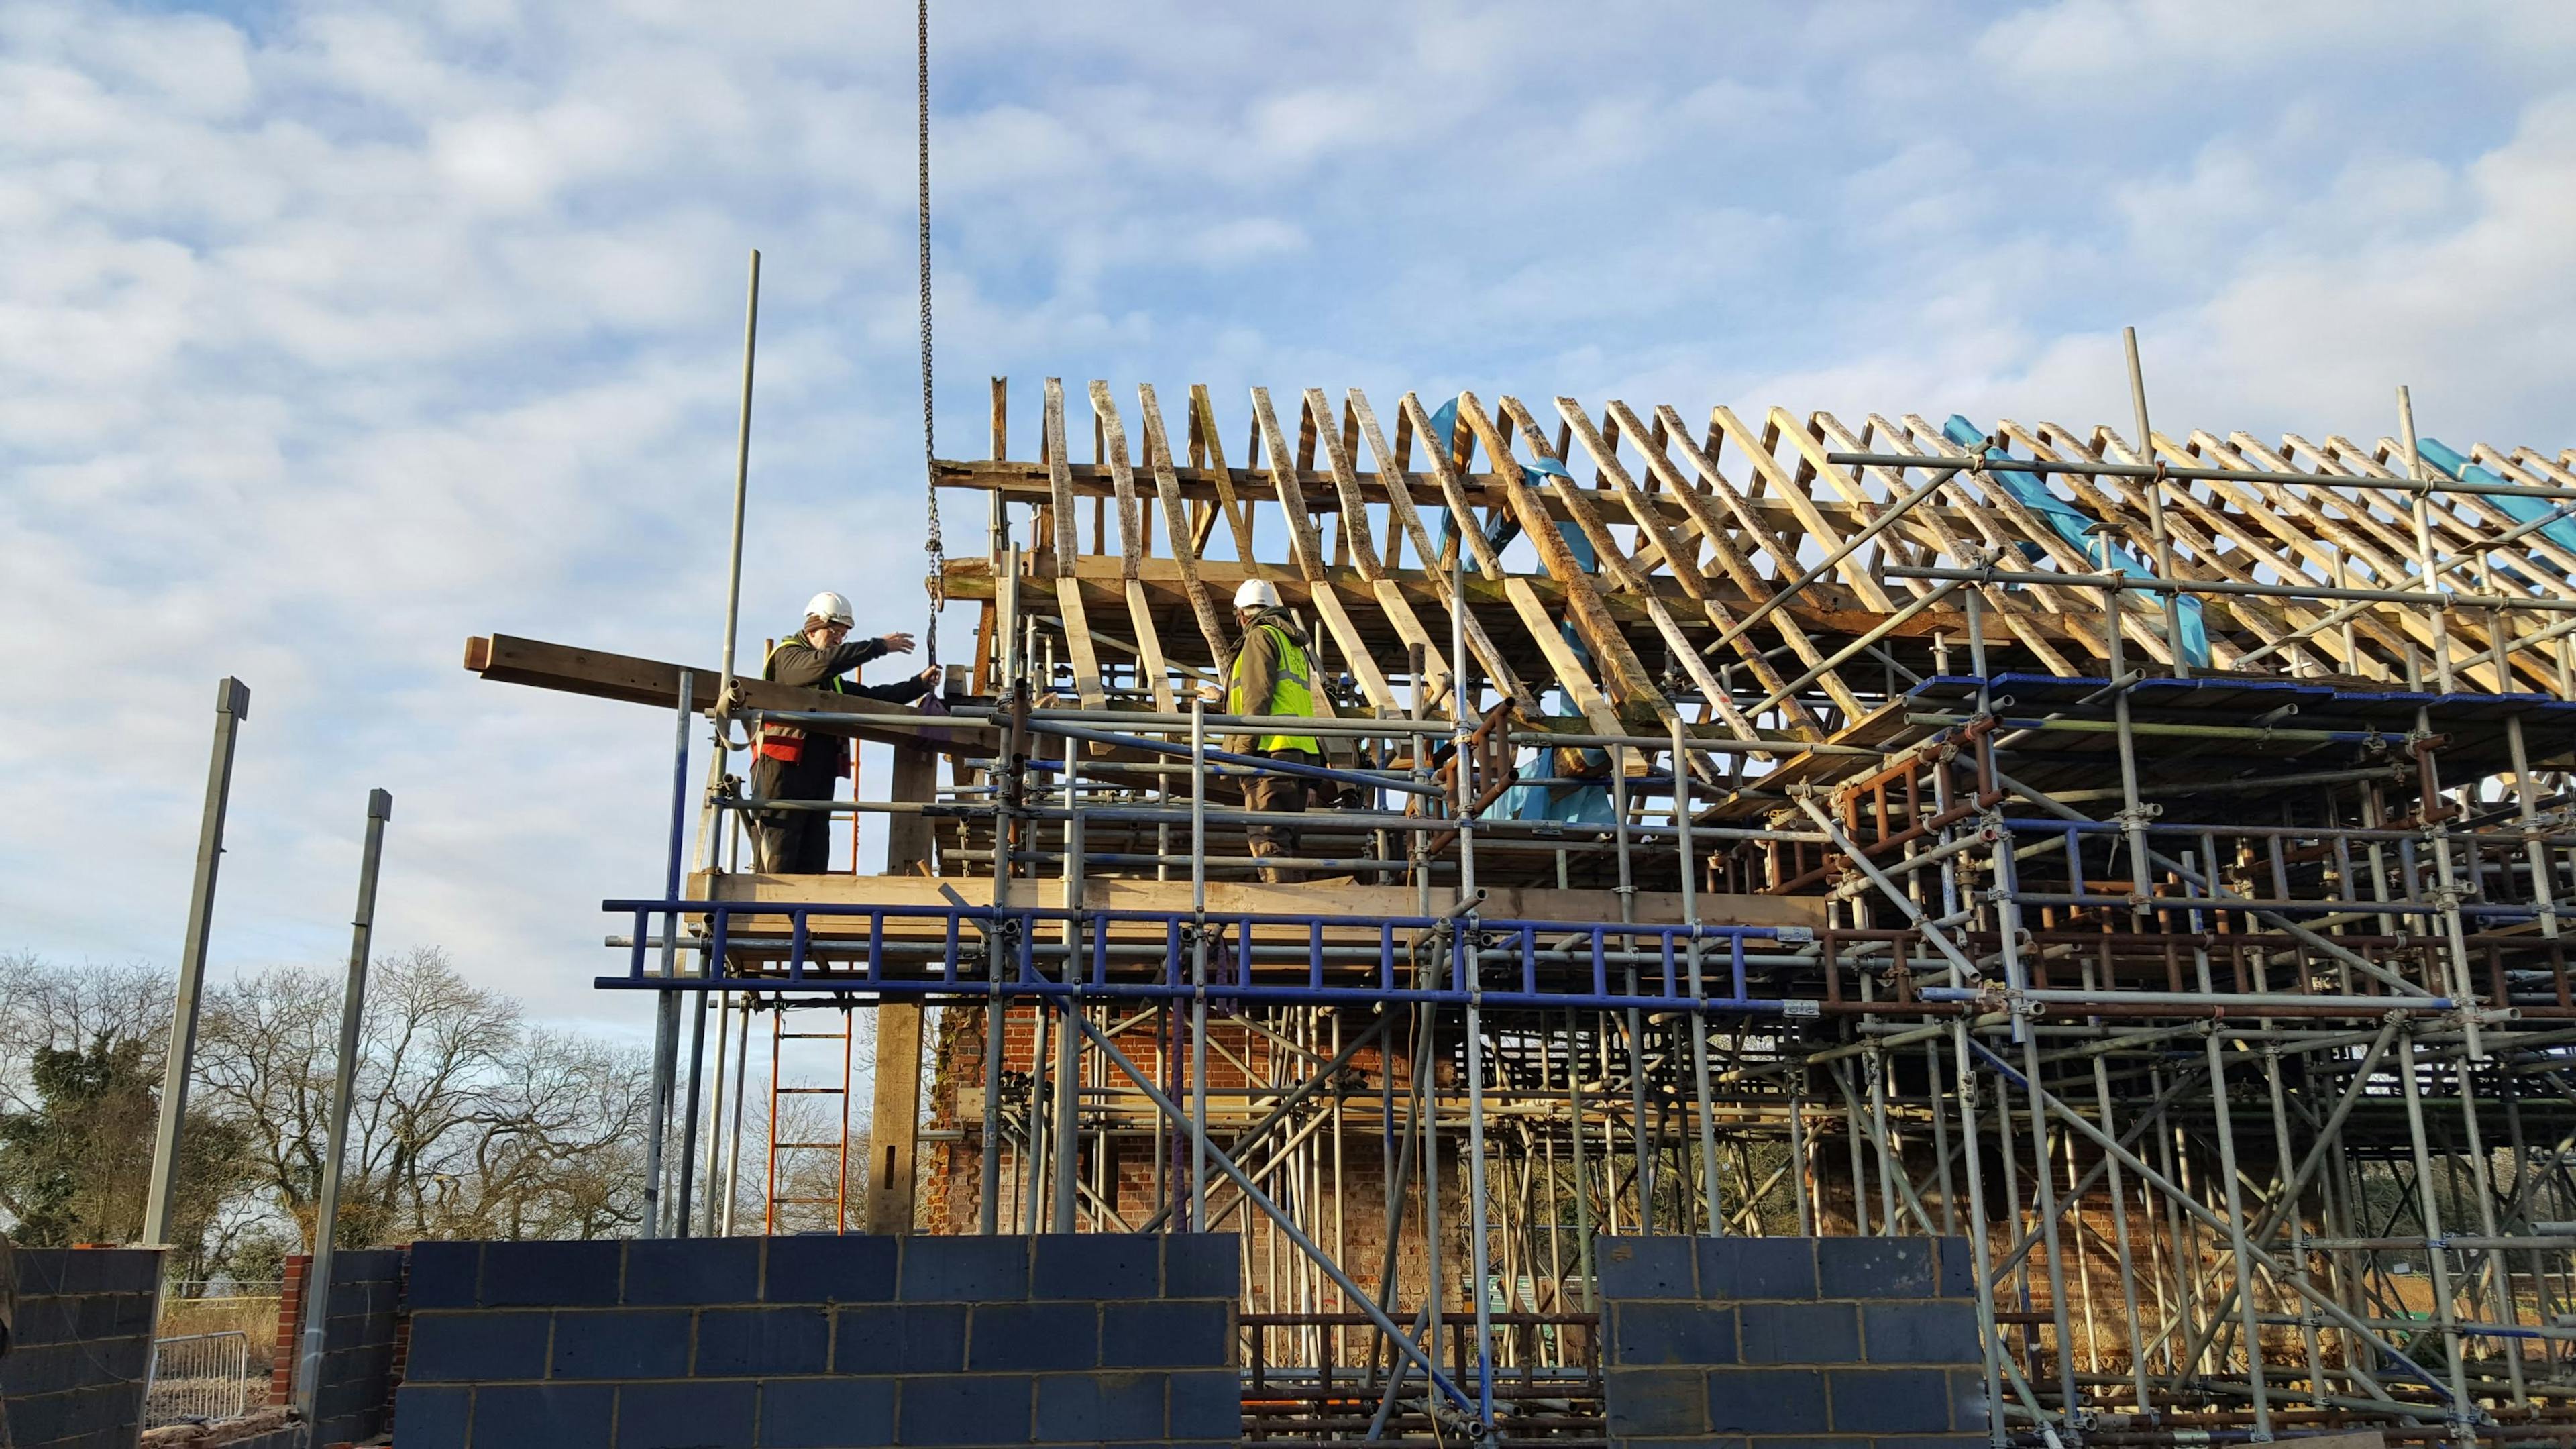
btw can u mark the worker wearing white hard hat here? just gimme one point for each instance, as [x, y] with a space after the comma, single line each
[790, 764]
[1273, 675]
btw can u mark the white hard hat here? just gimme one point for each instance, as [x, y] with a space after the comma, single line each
[828, 606]
[1256, 593]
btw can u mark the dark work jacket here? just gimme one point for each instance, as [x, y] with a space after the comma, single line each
[826, 757]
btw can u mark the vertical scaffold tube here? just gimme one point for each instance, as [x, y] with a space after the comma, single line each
[1198, 966]
[1698, 987]
[666, 1013]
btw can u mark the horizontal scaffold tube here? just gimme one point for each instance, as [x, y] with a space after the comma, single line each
[2159, 470]
[2230, 586]
[1261, 763]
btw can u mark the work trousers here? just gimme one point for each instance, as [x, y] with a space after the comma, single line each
[1282, 793]
[792, 842]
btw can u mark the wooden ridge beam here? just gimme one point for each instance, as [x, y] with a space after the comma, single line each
[510, 659]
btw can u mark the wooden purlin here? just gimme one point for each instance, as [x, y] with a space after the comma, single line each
[1305, 546]
[1185, 541]
[1653, 500]
[1122, 475]
[1590, 619]
[1207, 445]
[1650, 525]
[1933, 532]
[2308, 530]
[2063, 611]
[1068, 530]
[1704, 524]
[2196, 549]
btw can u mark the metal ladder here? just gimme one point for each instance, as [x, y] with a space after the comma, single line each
[839, 1200]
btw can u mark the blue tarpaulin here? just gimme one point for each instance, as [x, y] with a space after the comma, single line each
[2071, 524]
[2561, 531]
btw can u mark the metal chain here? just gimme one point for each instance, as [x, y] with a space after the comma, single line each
[931, 544]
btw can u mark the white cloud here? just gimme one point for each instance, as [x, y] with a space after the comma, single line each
[330, 337]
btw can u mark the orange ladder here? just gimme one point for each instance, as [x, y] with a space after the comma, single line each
[839, 1199]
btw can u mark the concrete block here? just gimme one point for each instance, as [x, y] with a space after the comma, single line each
[1928, 1441]
[1767, 1401]
[1958, 1267]
[109, 1270]
[1095, 1265]
[836, 1413]
[1932, 1331]
[1030, 1337]
[692, 1272]
[1694, 1441]
[40, 1271]
[542, 1416]
[1645, 1402]
[1804, 1333]
[1088, 1408]
[478, 1347]
[699, 1415]
[758, 1342]
[1207, 1405]
[1203, 1265]
[444, 1275]
[38, 1421]
[1874, 1268]
[1736, 1268]
[51, 1319]
[1646, 1268]
[550, 1275]
[1890, 1401]
[964, 1270]
[113, 1315]
[1968, 1407]
[1805, 1442]
[622, 1343]
[428, 1417]
[909, 1338]
[964, 1409]
[826, 1268]
[1653, 1333]
[47, 1369]
[1190, 1334]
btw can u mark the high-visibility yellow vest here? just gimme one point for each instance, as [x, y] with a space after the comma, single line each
[781, 742]
[1291, 693]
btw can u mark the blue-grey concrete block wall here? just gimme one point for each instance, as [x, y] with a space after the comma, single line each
[1791, 1343]
[354, 1401]
[83, 1344]
[822, 1343]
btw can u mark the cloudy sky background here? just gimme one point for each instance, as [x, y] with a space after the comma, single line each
[332, 333]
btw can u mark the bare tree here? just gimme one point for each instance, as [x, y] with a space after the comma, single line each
[465, 1121]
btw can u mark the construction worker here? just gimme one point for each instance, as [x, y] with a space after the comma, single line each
[1272, 676]
[790, 764]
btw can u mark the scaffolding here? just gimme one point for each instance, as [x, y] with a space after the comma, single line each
[2141, 861]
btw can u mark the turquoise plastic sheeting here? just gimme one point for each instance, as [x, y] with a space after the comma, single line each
[2560, 531]
[2070, 522]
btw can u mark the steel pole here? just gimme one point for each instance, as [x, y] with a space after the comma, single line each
[2155, 491]
[232, 706]
[666, 1016]
[353, 1009]
[741, 479]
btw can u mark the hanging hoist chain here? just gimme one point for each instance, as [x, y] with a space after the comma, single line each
[930, 544]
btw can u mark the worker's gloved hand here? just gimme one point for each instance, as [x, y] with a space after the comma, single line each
[1347, 798]
[897, 643]
[1210, 694]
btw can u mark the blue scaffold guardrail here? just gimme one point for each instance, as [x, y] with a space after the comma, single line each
[963, 931]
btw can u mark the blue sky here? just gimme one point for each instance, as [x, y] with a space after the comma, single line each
[331, 334]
